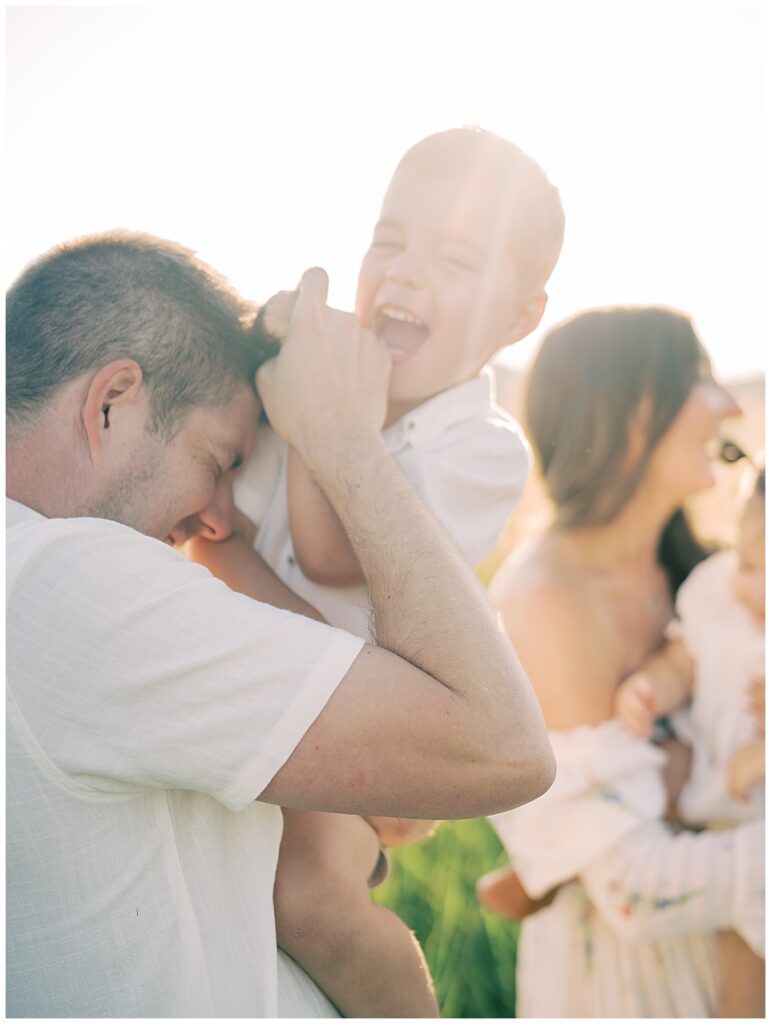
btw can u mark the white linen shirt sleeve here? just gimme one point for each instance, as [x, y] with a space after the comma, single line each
[470, 476]
[134, 668]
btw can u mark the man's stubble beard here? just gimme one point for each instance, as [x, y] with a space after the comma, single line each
[131, 497]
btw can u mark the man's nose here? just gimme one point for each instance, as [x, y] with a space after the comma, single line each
[218, 518]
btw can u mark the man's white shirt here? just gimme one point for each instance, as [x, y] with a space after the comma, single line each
[148, 707]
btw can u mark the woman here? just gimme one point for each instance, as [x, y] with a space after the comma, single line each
[622, 410]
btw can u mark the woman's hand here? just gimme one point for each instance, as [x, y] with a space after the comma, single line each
[636, 704]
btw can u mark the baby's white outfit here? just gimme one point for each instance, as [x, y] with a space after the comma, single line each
[464, 457]
[727, 645]
[631, 930]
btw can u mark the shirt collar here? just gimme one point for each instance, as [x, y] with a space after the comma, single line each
[464, 401]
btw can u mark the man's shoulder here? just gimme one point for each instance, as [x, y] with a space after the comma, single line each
[23, 521]
[76, 542]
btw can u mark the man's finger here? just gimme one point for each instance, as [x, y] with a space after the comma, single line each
[313, 289]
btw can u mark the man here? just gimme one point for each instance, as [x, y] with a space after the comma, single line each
[157, 720]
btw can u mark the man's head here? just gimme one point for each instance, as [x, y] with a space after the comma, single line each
[469, 232]
[128, 359]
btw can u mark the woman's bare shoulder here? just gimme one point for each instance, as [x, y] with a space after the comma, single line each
[543, 571]
[560, 632]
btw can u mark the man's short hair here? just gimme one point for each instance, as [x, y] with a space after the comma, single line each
[126, 295]
[530, 204]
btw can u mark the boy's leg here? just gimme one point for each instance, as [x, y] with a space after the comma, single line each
[743, 978]
[502, 892]
[362, 956]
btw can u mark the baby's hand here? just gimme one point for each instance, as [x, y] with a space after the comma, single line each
[636, 704]
[401, 831]
[746, 767]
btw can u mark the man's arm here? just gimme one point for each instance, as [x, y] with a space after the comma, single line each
[438, 720]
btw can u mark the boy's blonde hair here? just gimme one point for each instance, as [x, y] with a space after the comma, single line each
[530, 203]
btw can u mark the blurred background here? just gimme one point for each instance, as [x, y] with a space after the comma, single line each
[263, 138]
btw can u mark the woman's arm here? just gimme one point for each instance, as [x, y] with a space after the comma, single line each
[653, 884]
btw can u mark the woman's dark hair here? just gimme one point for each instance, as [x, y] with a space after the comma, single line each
[591, 376]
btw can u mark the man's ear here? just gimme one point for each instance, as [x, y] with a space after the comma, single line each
[114, 390]
[528, 315]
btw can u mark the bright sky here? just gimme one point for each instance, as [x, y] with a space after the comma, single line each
[263, 137]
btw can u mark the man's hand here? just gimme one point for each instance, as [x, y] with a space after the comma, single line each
[636, 704]
[330, 379]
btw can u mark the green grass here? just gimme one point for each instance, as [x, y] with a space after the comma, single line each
[471, 952]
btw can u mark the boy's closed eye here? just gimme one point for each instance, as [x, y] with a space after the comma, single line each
[386, 245]
[466, 257]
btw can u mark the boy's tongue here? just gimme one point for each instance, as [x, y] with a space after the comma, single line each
[399, 336]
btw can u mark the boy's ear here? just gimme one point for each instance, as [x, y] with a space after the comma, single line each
[114, 391]
[529, 312]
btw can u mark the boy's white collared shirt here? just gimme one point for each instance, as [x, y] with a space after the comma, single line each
[466, 459]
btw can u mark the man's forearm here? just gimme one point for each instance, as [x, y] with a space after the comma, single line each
[429, 607]
[326, 394]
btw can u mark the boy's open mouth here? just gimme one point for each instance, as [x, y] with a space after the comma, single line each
[400, 331]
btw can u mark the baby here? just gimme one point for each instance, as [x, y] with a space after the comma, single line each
[469, 233]
[715, 659]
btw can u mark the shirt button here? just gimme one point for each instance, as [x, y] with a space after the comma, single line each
[290, 559]
[411, 425]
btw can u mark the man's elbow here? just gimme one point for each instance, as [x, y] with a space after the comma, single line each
[525, 778]
[538, 776]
